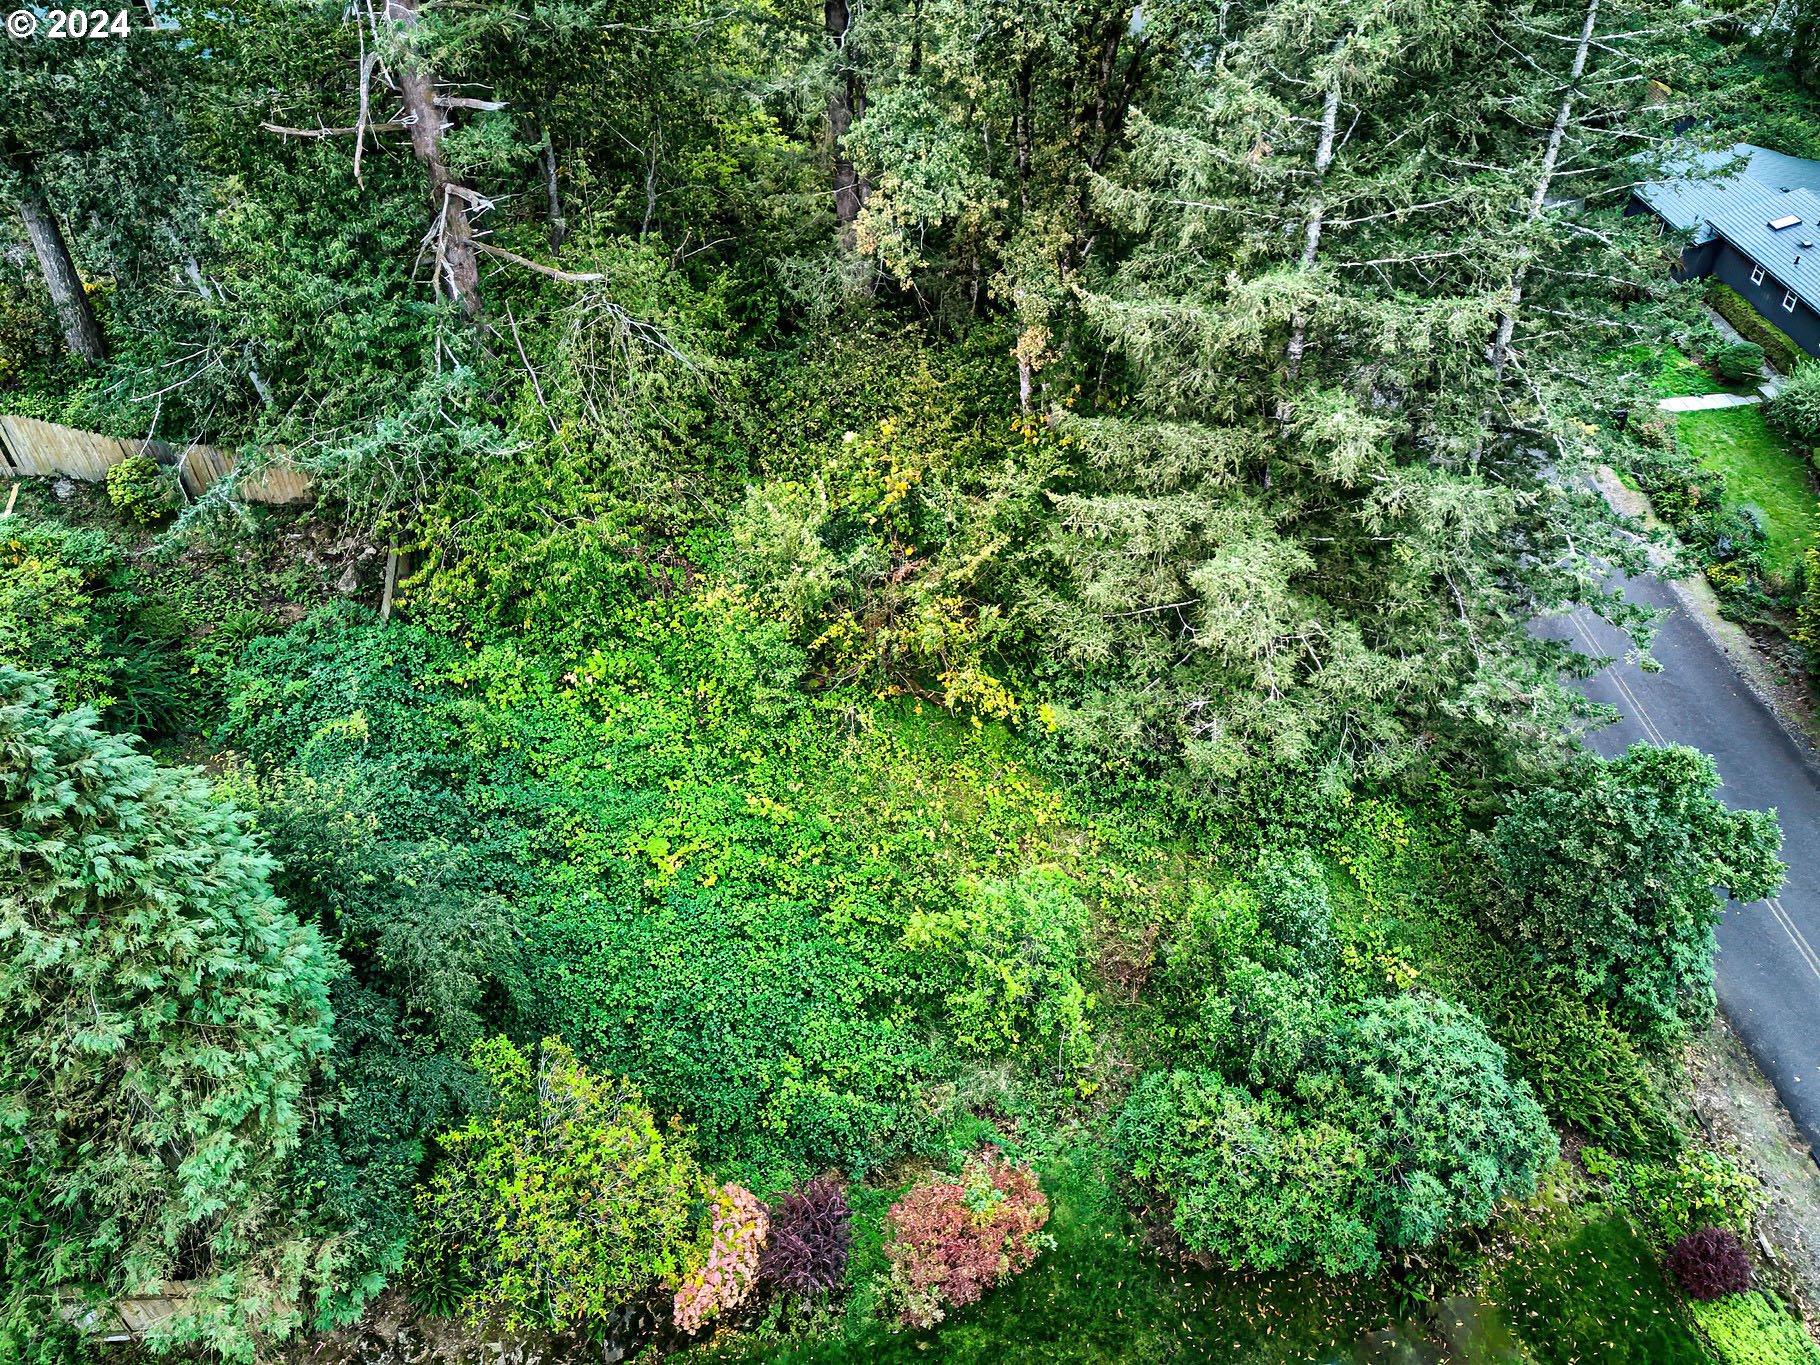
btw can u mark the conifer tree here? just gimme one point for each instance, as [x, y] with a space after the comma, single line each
[1370, 244]
[163, 1013]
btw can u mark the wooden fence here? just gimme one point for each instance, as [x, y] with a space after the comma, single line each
[33, 449]
[125, 1319]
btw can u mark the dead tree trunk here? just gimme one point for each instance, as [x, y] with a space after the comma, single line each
[457, 260]
[846, 104]
[81, 332]
[1551, 155]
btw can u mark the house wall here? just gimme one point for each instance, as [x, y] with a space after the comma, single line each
[1731, 266]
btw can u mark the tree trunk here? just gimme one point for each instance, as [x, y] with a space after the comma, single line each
[457, 262]
[559, 224]
[644, 228]
[81, 331]
[1551, 155]
[1317, 218]
[846, 104]
[1023, 136]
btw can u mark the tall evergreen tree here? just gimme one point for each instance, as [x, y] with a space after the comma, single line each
[163, 1013]
[1367, 240]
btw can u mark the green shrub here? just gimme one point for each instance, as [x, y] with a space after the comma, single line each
[1243, 1179]
[1586, 1071]
[1747, 1329]
[165, 1015]
[1608, 875]
[1667, 1199]
[1408, 1128]
[48, 620]
[511, 1210]
[1738, 360]
[141, 490]
[1795, 411]
[1679, 489]
[1016, 952]
[1807, 611]
[1778, 347]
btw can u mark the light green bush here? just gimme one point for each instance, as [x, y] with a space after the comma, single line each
[512, 1213]
[1015, 951]
[1746, 1329]
[142, 491]
[1698, 1188]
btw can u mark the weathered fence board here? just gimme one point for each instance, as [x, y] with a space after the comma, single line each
[43, 450]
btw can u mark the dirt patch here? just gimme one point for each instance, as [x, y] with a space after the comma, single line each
[1740, 1112]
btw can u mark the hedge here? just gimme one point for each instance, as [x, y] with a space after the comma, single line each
[1778, 347]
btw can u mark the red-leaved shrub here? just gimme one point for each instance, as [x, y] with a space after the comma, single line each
[1710, 1263]
[811, 1231]
[739, 1229]
[949, 1241]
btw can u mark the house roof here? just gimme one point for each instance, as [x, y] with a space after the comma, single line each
[1736, 193]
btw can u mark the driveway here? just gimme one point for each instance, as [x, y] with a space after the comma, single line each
[1769, 951]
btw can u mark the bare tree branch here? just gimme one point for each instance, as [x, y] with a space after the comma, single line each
[567, 277]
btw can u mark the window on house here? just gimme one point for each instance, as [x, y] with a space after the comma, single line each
[1756, 275]
[1788, 303]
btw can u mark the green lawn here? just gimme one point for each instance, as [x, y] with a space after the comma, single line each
[1760, 471]
[1670, 373]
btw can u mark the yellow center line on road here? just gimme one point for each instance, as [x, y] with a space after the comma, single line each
[1640, 713]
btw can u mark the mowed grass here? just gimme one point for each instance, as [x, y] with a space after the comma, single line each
[1662, 371]
[1760, 471]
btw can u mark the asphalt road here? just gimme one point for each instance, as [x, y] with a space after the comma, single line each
[1769, 951]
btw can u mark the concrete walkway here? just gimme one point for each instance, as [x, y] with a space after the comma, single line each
[1700, 402]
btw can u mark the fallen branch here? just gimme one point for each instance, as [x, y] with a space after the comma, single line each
[567, 277]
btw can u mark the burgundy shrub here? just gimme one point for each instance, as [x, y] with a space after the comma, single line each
[811, 1231]
[1710, 1263]
[949, 1241]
